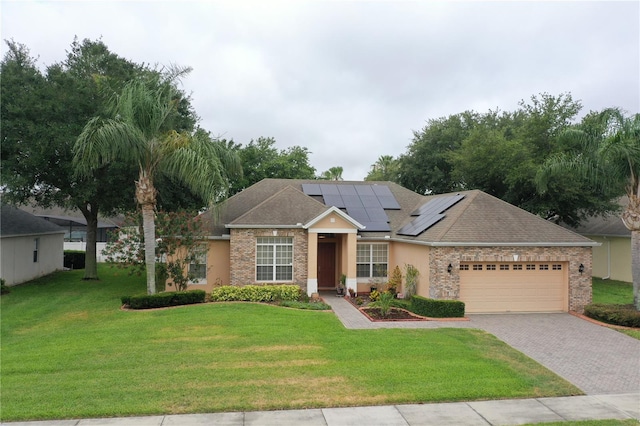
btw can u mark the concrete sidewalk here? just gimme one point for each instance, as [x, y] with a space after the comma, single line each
[503, 412]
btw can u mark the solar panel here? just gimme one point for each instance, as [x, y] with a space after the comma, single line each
[429, 214]
[364, 203]
[311, 189]
[388, 202]
[414, 228]
[334, 200]
[437, 205]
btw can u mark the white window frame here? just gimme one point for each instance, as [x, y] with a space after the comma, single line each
[280, 259]
[371, 262]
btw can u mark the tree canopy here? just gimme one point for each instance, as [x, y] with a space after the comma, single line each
[499, 152]
[261, 159]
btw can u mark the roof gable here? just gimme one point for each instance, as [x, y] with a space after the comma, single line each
[288, 207]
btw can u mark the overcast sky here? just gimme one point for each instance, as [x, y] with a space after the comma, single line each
[352, 80]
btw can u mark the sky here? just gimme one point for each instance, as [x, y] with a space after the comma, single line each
[352, 80]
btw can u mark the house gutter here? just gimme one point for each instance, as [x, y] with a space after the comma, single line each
[484, 244]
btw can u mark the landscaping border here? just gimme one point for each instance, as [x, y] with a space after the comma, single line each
[603, 324]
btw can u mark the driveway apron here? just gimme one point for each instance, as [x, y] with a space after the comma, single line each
[596, 359]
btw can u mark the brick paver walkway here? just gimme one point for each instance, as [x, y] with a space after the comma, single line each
[596, 359]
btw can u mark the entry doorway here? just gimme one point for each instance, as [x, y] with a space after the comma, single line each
[327, 266]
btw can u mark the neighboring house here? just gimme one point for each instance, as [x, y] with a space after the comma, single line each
[612, 259]
[75, 227]
[30, 247]
[468, 246]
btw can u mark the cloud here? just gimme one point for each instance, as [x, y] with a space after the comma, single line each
[351, 80]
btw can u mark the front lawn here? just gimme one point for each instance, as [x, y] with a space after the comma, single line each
[68, 351]
[614, 292]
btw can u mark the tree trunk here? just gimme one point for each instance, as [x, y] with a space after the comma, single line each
[91, 262]
[149, 226]
[635, 267]
[146, 197]
[631, 219]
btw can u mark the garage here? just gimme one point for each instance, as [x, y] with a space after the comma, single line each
[514, 287]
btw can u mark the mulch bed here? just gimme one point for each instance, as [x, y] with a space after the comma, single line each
[395, 314]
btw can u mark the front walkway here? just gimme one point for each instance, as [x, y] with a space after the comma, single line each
[596, 359]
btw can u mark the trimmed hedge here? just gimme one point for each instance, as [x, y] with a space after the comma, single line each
[437, 308]
[624, 315]
[163, 300]
[256, 293]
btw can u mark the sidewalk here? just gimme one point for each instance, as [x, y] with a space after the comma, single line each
[504, 412]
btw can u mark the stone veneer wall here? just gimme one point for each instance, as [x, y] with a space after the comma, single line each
[243, 255]
[444, 285]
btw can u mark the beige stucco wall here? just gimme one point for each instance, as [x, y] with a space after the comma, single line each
[613, 258]
[17, 257]
[243, 255]
[218, 270]
[446, 285]
[401, 254]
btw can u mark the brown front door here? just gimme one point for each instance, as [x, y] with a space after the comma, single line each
[326, 265]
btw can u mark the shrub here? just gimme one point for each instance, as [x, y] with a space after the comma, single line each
[624, 315]
[256, 293]
[74, 259]
[384, 303]
[4, 289]
[395, 281]
[163, 300]
[374, 295]
[411, 277]
[437, 308]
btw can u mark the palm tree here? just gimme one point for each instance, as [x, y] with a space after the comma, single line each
[610, 160]
[141, 131]
[334, 173]
[385, 168]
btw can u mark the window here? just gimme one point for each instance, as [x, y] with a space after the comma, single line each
[274, 259]
[531, 267]
[371, 260]
[477, 267]
[491, 267]
[464, 267]
[557, 267]
[517, 267]
[198, 269]
[36, 245]
[543, 267]
[504, 267]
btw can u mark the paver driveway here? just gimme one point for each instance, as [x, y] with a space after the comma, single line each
[596, 359]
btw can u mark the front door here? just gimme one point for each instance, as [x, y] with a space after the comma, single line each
[326, 265]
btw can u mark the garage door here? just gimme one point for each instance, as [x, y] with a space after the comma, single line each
[514, 287]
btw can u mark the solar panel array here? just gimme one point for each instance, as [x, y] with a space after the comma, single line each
[429, 214]
[364, 203]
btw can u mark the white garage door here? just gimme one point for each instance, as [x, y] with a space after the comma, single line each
[514, 287]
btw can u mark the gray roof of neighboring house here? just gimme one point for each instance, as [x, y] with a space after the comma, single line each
[16, 222]
[63, 216]
[478, 218]
[603, 226]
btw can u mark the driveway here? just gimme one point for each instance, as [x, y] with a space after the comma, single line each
[596, 359]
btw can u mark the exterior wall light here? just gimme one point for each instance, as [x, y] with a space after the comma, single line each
[449, 268]
[581, 268]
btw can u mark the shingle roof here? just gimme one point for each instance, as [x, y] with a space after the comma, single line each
[610, 225]
[478, 218]
[15, 222]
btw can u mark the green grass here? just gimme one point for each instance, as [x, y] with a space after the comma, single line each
[614, 292]
[68, 351]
